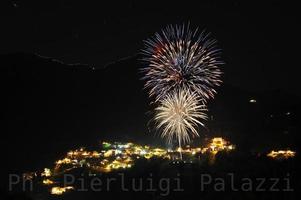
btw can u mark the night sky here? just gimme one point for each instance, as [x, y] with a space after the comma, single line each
[52, 106]
[259, 40]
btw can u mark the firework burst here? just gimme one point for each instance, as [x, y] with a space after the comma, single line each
[179, 114]
[180, 58]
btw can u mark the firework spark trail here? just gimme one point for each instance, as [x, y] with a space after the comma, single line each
[180, 58]
[179, 114]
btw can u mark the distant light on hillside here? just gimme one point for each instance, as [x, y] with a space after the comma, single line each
[252, 101]
[281, 154]
[60, 190]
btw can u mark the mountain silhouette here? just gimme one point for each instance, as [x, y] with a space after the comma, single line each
[51, 107]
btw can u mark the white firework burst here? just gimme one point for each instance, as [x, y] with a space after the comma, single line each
[179, 115]
[180, 58]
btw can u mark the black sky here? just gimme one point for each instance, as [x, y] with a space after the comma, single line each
[52, 107]
[259, 40]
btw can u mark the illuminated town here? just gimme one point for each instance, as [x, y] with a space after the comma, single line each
[281, 154]
[121, 156]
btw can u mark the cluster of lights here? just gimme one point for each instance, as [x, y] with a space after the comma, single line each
[110, 157]
[60, 190]
[281, 154]
[118, 156]
[121, 156]
[48, 182]
[217, 144]
[46, 173]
